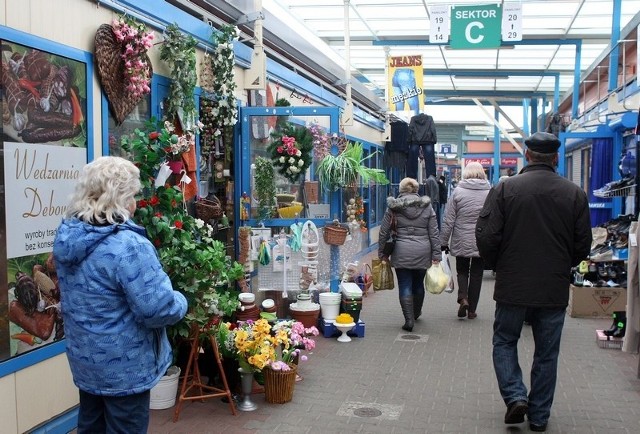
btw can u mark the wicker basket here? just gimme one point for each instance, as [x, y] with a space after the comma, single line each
[208, 209]
[278, 385]
[110, 67]
[334, 234]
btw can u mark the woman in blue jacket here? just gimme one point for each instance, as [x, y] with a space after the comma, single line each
[116, 300]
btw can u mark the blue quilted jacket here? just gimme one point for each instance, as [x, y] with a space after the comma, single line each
[116, 301]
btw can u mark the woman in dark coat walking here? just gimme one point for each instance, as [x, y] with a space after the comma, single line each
[417, 245]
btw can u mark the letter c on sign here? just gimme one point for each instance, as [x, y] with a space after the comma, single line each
[467, 32]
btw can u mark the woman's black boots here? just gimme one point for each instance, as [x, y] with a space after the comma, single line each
[418, 301]
[406, 303]
[619, 325]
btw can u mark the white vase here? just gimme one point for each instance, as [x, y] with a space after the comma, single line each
[163, 394]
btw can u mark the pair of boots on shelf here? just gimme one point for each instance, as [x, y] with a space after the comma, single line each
[619, 325]
[411, 310]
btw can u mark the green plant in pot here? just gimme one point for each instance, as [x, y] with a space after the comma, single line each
[347, 168]
[196, 263]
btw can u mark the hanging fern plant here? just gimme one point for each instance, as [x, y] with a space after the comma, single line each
[346, 168]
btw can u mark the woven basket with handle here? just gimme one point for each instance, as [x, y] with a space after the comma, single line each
[335, 234]
[209, 209]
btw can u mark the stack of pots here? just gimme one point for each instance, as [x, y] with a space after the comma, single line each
[248, 309]
[304, 310]
[351, 300]
[329, 305]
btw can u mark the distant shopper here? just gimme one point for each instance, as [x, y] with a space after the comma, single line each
[444, 194]
[458, 236]
[116, 300]
[433, 191]
[532, 229]
[417, 245]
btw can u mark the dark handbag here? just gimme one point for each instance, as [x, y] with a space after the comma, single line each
[390, 245]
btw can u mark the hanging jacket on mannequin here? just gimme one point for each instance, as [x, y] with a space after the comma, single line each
[422, 130]
[395, 150]
[422, 135]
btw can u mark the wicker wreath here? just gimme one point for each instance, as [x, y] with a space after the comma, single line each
[110, 66]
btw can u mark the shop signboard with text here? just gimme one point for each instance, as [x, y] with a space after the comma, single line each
[483, 161]
[474, 27]
[405, 83]
[44, 147]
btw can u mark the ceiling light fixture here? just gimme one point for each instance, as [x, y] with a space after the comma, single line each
[480, 77]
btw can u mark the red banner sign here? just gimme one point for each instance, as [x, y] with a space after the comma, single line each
[483, 161]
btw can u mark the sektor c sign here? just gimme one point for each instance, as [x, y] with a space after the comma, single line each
[476, 26]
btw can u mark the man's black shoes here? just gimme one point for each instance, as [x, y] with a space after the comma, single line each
[515, 412]
[537, 428]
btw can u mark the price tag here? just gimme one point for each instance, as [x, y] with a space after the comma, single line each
[512, 22]
[439, 30]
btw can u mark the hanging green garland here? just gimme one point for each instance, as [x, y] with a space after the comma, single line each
[179, 51]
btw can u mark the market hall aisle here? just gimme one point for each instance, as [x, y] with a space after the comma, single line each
[442, 382]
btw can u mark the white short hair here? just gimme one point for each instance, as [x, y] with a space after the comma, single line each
[473, 170]
[408, 185]
[105, 191]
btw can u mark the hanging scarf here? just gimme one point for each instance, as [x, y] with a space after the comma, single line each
[264, 256]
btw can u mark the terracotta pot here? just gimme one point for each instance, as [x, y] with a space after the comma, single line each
[308, 318]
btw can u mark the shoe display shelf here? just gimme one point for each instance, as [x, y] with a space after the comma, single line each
[629, 190]
[609, 342]
[329, 330]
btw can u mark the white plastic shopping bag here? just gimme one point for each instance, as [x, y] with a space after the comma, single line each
[436, 280]
[446, 267]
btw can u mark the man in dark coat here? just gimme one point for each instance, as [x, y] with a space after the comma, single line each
[532, 229]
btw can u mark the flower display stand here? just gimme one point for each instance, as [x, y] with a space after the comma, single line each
[193, 382]
[329, 330]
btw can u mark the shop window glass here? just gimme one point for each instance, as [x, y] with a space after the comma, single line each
[263, 130]
[136, 119]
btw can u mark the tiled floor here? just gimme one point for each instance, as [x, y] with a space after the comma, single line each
[443, 382]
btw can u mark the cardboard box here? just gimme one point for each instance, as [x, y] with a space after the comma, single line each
[593, 302]
[605, 341]
[318, 211]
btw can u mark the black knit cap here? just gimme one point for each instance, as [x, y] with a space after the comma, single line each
[544, 143]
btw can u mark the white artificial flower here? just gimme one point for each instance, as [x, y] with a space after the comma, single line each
[292, 160]
[199, 223]
[216, 133]
[282, 160]
[300, 163]
[298, 153]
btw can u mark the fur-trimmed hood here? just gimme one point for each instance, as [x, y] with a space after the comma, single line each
[408, 204]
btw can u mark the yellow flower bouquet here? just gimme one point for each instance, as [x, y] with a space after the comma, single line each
[257, 345]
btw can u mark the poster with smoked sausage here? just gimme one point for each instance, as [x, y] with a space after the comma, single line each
[43, 150]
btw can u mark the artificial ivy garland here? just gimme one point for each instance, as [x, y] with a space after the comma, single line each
[222, 112]
[179, 51]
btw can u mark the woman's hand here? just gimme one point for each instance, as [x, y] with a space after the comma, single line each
[435, 262]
